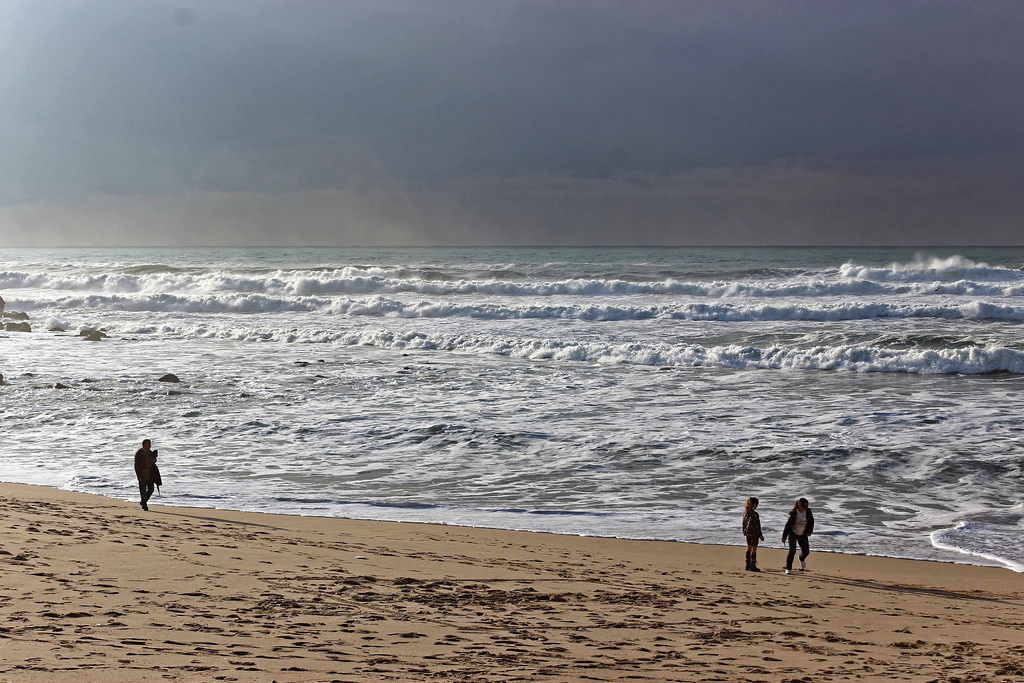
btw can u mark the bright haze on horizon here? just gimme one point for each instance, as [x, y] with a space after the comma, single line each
[542, 122]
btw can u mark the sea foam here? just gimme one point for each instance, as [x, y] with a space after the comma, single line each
[996, 543]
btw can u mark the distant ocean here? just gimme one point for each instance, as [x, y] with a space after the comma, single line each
[636, 393]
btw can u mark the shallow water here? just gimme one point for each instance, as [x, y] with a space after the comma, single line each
[634, 393]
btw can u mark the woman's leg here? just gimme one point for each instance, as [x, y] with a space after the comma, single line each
[805, 547]
[792, 551]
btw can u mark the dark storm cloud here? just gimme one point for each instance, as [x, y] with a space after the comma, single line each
[467, 110]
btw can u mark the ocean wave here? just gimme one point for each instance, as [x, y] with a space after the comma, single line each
[997, 543]
[968, 359]
[851, 280]
[932, 269]
[378, 306]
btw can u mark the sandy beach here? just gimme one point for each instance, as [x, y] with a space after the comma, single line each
[95, 589]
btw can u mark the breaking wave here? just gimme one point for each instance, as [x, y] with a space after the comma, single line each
[932, 269]
[236, 302]
[951, 276]
[917, 358]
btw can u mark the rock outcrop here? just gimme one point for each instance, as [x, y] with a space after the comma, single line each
[20, 326]
[91, 334]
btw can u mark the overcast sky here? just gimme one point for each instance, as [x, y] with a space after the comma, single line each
[511, 122]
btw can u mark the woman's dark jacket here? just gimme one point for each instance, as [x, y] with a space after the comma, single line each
[792, 520]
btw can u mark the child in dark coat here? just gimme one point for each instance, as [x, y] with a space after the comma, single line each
[752, 530]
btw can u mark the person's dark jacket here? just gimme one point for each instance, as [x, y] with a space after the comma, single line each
[752, 525]
[792, 520]
[145, 467]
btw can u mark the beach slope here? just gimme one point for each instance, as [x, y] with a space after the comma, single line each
[95, 589]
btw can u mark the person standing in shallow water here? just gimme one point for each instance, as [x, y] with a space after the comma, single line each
[752, 530]
[799, 526]
[146, 471]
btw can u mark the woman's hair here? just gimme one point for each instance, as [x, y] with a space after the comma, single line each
[797, 504]
[751, 504]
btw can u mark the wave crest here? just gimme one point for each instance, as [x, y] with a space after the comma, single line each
[931, 269]
[855, 281]
[900, 356]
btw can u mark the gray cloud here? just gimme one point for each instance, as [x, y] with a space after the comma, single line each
[456, 106]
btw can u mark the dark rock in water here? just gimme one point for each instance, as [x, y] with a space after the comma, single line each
[92, 335]
[18, 327]
[53, 327]
[2, 304]
[16, 315]
[169, 378]
[58, 385]
[302, 363]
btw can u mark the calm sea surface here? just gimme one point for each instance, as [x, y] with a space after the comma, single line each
[640, 393]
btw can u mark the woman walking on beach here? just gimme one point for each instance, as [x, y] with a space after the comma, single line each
[799, 526]
[752, 530]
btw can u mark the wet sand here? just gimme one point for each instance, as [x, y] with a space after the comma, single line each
[95, 589]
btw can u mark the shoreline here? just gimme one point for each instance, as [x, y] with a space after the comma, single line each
[98, 589]
[969, 559]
